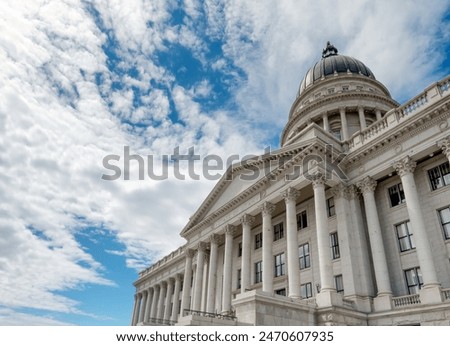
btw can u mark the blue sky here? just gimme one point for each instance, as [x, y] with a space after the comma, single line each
[80, 80]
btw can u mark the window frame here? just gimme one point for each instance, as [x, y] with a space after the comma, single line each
[440, 180]
[258, 240]
[407, 238]
[446, 232]
[258, 272]
[334, 245]
[304, 259]
[278, 231]
[339, 283]
[416, 286]
[281, 290]
[279, 264]
[306, 288]
[400, 194]
[331, 208]
[302, 220]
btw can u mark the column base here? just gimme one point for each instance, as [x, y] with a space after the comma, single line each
[431, 294]
[328, 298]
[382, 302]
[362, 303]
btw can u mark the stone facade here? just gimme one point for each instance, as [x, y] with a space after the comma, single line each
[348, 223]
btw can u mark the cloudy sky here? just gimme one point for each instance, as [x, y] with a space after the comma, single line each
[80, 80]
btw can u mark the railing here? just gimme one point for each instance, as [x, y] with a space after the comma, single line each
[162, 321]
[414, 105]
[446, 293]
[402, 301]
[444, 86]
[374, 129]
[229, 316]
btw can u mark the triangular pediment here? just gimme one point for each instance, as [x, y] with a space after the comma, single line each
[246, 178]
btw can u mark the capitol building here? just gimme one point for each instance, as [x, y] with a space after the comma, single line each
[348, 223]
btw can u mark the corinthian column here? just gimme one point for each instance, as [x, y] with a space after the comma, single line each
[155, 299]
[162, 296]
[227, 269]
[405, 169]
[187, 281]
[367, 187]
[290, 197]
[212, 277]
[267, 238]
[247, 221]
[135, 310]
[323, 235]
[176, 298]
[143, 306]
[199, 276]
[168, 305]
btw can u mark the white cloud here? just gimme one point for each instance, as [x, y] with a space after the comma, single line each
[58, 123]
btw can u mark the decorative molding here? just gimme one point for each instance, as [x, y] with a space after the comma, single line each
[201, 246]
[318, 180]
[368, 184]
[190, 253]
[444, 145]
[230, 230]
[247, 220]
[267, 208]
[340, 191]
[405, 166]
[215, 238]
[353, 192]
[290, 195]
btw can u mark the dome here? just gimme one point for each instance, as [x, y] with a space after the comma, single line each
[333, 64]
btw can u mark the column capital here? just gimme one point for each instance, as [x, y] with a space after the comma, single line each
[444, 145]
[230, 230]
[163, 284]
[342, 109]
[190, 253]
[341, 191]
[178, 277]
[353, 192]
[318, 180]
[267, 208]
[215, 238]
[156, 287]
[368, 184]
[405, 166]
[360, 108]
[201, 246]
[247, 220]
[290, 195]
[170, 280]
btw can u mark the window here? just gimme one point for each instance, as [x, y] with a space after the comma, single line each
[278, 231]
[414, 281]
[334, 241]
[396, 195]
[258, 272]
[330, 207]
[258, 240]
[445, 221]
[304, 256]
[336, 133]
[306, 290]
[439, 176]
[302, 220]
[339, 283]
[405, 237]
[317, 95]
[240, 249]
[281, 292]
[359, 87]
[238, 279]
[279, 265]
[345, 88]
[331, 91]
